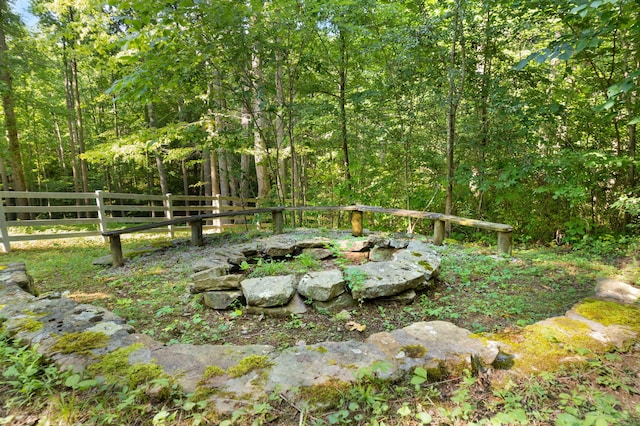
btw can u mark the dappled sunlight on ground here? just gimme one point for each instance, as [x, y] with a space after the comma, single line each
[88, 297]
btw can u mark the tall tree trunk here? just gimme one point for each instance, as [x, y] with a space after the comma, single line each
[259, 146]
[487, 59]
[245, 180]
[185, 177]
[162, 175]
[10, 122]
[71, 122]
[61, 154]
[281, 175]
[3, 175]
[342, 99]
[453, 99]
[206, 171]
[84, 172]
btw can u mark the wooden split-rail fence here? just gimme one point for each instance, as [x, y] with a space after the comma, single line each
[165, 213]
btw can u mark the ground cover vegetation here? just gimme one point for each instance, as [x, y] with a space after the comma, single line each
[476, 290]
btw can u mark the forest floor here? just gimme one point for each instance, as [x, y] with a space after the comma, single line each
[475, 290]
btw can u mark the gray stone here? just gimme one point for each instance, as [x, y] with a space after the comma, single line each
[222, 299]
[385, 279]
[248, 249]
[215, 282]
[189, 362]
[215, 263]
[296, 306]
[268, 292]
[433, 345]
[342, 302]
[405, 298]
[235, 257]
[110, 328]
[318, 242]
[322, 285]
[607, 288]
[398, 243]
[316, 364]
[318, 253]
[217, 269]
[380, 254]
[24, 281]
[278, 246]
[421, 257]
[354, 244]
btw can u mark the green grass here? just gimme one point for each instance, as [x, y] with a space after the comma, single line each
[483, 292]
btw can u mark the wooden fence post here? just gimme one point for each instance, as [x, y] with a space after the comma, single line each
[117, 257]
[4, 232]
[278, 221]
[356, 223]
[167, 201]
[215, 204]
[505, 243]
[196, 233]
[438, 232]
[102, 213]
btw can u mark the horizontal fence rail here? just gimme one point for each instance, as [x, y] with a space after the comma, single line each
[101, 211]
[168, 213]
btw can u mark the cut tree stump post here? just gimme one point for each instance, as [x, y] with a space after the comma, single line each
[278, 221]
[117, 259]
[505, 243]
[356, 223]
[196, 233]
[438, 232]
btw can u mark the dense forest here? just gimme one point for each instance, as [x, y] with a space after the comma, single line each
[514, 111]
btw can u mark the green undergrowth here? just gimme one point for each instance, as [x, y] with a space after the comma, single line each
[476, 290]
[602, 389]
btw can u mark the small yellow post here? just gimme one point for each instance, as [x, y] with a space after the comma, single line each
[356, 223]
[438, 232]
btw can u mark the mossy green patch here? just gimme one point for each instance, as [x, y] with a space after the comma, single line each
[547, 344]
[610, 313]
[248, 364]
[426, 265]
[28, 324]
[212, 371]
[414, 351]
[80, 343]
[116, 369]
[325, 396]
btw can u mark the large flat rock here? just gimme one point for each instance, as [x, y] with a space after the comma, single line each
[385, 279]
[267, 292]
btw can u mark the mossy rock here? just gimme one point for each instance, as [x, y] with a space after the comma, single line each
[80, 343]
[548, 344]
[116, 368]
[248, 364]
[324, 396]
[28, 324]
[610, 313]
